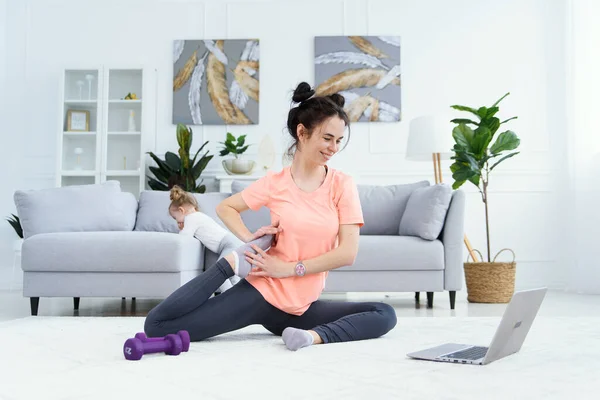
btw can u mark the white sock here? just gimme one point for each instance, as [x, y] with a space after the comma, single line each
[295, 339]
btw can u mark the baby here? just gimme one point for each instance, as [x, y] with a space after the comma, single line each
[184, 209]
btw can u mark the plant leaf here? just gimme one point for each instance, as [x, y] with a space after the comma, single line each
[506, 120]
[241, 140]
[159, 174]
[501, 98]
[173, 161]
[156, 185]
[463, 135]
[464, 121]
[224, 152]
[161, 164]
[465, 108]
[504, 158]
[481, 138]
[201, 165]
[507, 140]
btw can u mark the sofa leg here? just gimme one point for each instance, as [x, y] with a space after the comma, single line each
[34, 302]
[429, 299]
[452, 299]
[76, 303]
[417, 297]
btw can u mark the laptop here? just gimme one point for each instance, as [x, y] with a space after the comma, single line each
[510, 335]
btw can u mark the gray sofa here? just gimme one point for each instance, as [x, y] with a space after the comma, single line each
[97, 241]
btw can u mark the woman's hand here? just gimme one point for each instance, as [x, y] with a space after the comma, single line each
[267, 265]
[266, 230]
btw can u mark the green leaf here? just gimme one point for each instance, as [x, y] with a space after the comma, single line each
[230, 137]
[506, 120]
[231, 147]
[243, 149]
[184, 137]
[463, 135]
[481, 139]
[159, 174]
[199, 150]
[464, 108]
[457, 184]
[491, 112]
[507, 140]
[173, 161]
[464, 121]
[224, 152]
[501, 98]
[482, 112]
[156, 185]
[241, 140]
[475, 180]
[161, 164]
[492, 124]
[462, 172]
[504, 158]
[201, 165]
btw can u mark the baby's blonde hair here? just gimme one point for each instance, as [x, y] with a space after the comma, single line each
[181, 198]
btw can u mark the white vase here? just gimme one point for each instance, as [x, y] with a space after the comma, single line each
[237, 166]
[131, 125]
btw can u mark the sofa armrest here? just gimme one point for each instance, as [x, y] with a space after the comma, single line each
[453, 238]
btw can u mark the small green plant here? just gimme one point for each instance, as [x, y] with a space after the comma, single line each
[472, 156]
[180, 169]
[15, 222]
[233, 145]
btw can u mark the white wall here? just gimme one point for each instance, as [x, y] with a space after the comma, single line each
[461, 52]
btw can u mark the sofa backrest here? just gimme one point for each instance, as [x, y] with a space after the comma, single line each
[383, 206]
[153, 210]
[99, 207]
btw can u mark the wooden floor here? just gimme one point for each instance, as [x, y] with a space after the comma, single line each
[557, 303]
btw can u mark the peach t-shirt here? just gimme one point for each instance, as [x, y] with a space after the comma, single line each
[310, 223]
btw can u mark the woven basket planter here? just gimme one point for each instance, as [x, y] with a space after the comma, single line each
[490, 282]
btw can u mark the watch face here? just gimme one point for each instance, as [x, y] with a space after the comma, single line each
[300, 269]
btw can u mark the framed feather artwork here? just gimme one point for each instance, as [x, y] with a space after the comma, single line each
[216, 82]
[363, 69]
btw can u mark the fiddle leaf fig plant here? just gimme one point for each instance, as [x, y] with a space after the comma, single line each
[474, 158]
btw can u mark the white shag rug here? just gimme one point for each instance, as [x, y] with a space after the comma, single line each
[81, 358]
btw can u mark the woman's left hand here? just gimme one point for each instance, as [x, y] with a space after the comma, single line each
[266, 265]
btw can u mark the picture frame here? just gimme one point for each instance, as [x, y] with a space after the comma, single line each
[78, 120]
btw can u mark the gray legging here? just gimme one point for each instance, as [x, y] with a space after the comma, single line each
[191, 308]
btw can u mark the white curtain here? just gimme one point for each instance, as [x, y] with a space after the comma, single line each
[580, 203]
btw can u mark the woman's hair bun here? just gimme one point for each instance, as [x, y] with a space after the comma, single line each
[303, 92]
[338, 99]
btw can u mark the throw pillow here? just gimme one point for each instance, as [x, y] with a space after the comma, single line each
[153, 212]
[383, 206]
[426, 212]
[79, 208]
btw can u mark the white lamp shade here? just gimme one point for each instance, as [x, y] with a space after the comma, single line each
[430, 134]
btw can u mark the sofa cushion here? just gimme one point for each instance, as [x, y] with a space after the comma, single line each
[112, 252]
[383, 206]
[99, 207]
[397, 253]
[153, 211]
[426, 211]
[253, 220]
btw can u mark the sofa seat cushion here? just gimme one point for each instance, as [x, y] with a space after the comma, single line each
[397, 253]
[111, 252]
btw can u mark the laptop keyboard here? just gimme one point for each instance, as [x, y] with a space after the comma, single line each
[472, 353]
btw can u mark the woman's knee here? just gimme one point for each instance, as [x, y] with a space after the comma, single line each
[389, 315]
[152, 326]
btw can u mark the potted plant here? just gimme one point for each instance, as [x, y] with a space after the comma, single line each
[180, 169]
[236, 146]
[474, 160]
[15, 222]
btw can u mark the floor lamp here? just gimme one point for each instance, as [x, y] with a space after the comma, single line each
[430, 138]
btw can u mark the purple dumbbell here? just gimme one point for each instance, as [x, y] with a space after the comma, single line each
[134, 349]
[184, 335]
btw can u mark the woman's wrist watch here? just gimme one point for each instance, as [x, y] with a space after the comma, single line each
[300, 269]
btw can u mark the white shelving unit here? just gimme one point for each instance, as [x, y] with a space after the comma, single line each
[111, 144]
